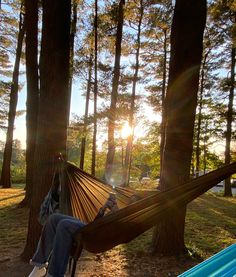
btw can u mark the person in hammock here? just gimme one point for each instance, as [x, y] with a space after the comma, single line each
[56, 242]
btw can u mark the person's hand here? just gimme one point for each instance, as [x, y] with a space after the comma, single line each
[110, 204]
[111, 201]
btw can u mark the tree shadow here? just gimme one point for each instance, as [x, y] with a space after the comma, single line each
[210, 227]
[12, 196]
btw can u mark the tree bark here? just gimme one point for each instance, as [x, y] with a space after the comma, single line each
[5, 181]
[94, 150]
[83, 141]
[228, 189]
[53, 107]
[181, 101]
[163, 96]
[72, 46]
[114, 93]
[199, 120]
[31, 21]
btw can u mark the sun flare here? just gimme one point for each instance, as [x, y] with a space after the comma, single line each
[126, 130]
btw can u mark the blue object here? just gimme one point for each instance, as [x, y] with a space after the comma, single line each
[222, 264]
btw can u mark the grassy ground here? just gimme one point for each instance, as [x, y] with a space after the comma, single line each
[210, 227]
[13, 220]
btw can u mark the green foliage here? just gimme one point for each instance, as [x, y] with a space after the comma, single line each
[9, 29]
[4, 101]
[214, 84]
[213, 161]
[146, 153]
[74, 141]
[18, 173]
[18, 166]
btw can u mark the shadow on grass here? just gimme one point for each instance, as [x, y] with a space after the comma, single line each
[211, 224]
[12, 196]
[210, 227]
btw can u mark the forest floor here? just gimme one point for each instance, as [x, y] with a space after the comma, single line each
[210, 227]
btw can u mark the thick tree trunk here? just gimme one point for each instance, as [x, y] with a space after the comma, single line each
[53, 107]
[114, 93]
[228, 189]
[5, 181]
[181, 101]
[31, 21]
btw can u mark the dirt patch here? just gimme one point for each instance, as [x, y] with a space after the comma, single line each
[113, 263]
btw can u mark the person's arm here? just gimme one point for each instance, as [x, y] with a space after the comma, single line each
[110, 204]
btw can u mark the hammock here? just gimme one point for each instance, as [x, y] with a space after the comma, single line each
[83, 194]
[87, 194]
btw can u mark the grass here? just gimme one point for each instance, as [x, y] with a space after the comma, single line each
[13, 226]
[210, 225]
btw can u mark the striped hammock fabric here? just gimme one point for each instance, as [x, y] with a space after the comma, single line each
[87, 194]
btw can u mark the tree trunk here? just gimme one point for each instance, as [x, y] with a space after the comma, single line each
[163, 96]
[83, 142]
[5, 181]
[199, 120]
[31, 21]
[128, 151]
[53, 107]
[228, 189]
[181, 101]
[205, 152]
[94, 150]
[114, 93]
[72, 42]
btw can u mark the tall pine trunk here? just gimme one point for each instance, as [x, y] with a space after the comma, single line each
[128, 151]
[72, 46]
[163, 96]
[5, 181]
[115, 83]
[53, 107]
[31, 21]
[94, 149]
[83, 141]
[228, 189]
[199, 120]
[181, 101]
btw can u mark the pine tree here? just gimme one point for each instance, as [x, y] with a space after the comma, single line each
[5, 181]
[181, 101]
[53, 107]
[225, 17]
[115, 82]
[31, 19]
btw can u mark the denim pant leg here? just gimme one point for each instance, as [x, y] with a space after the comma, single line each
[62, 245]
[45, 243]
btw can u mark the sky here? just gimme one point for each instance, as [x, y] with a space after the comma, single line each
[77, 108]
[77, 105]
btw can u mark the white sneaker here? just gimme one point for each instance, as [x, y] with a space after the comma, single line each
[38, 272]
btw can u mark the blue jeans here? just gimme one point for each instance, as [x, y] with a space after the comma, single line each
[56, 242]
